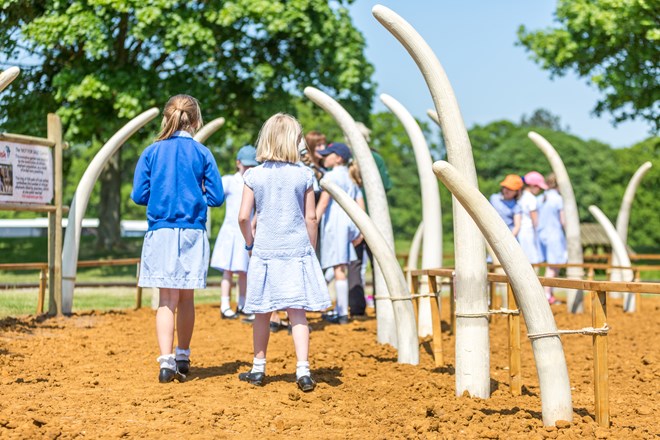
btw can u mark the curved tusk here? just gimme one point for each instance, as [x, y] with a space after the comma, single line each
[415, 246]
[472, 340]
[408, 348]
[431, 214]
[574, 299]
[378, 209]
[208, 129]
[620, 253]
[548, 351]
[623, 217]
[81, 199]
[433, 115]
[201, 136]
[7, 76]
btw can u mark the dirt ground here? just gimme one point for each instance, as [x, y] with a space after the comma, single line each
[94, 375]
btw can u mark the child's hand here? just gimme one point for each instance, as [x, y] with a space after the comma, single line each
[358, 240]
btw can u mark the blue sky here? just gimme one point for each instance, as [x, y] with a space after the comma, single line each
[492, 78]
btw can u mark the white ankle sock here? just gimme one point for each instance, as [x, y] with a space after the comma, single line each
[341, 286]
[241, 302]
[258, 365]
[181, 354]
[224, 304]
[167, 361]
[302, 369]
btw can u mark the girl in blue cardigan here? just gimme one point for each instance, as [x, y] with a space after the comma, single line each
[177, 179]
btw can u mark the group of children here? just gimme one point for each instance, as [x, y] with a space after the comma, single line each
[535, 219]
[272, 222]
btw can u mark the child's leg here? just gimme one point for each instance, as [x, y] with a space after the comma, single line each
[300, 332]
[169, 298]
[185, 318]
[242, 287]
[550, 272]
[225, 291]
[341, 286]
[261, 334]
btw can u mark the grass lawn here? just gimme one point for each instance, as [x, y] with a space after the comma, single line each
[24, 301]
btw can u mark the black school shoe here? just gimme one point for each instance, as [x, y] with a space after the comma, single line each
[167, 375]
[183, 366]
[252, 378]
[306, 383]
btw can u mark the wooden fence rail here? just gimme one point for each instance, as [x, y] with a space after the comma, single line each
[598, 332]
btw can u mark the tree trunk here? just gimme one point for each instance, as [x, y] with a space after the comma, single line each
[109, 233]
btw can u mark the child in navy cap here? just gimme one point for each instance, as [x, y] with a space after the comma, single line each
[229, 254]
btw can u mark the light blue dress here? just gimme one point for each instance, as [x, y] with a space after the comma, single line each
[505, 208]
[527, 236]
[284, 271]
[552, 239]
[337, 229]
[229, 251]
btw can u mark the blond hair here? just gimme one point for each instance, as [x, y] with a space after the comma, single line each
[551, 181]
[280, 139]
[181, 112]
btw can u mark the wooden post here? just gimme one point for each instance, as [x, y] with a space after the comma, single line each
[452, 303]
[138, 292]
[55, 135]
[601, 376]
[52, 305]
[435, 319]
[43, 282]
[414, 290]
[515, 377]
[492, 291]
[588, 294]
[638, 295]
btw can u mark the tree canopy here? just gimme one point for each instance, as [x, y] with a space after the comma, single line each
[615, 44]
[98, 63]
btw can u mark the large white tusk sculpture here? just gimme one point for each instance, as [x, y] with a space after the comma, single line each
[415, 247]
[378, 208]
[201, 136]
[408, 347]
[433, 115]
[574, 299]
[7, 76]
[623, 217]
[472, 340]
[549, 357]
[431, 214]
[81, 199]
[619, 250]
[208, 129]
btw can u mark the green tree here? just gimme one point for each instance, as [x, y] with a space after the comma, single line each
[615, 44]
[99, 63]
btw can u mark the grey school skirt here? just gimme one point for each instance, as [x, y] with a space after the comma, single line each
[175, 258]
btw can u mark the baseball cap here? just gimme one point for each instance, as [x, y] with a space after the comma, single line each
[247, 155]
[339, 149]
[534, 178]
[512, 182]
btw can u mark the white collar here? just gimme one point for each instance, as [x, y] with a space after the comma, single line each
[182, 133]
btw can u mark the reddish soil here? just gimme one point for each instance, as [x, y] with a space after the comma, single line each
[95, 375]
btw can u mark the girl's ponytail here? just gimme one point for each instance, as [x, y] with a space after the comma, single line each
[181, 112]
[354, 172]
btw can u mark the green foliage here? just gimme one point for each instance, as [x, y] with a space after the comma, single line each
[599, 174]
[615, 44]
[99, 63]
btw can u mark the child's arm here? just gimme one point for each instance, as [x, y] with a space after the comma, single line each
[311, 220]
[247, 204]
[517, 218]
[215, 194]
[142, 181]
[324, 200]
